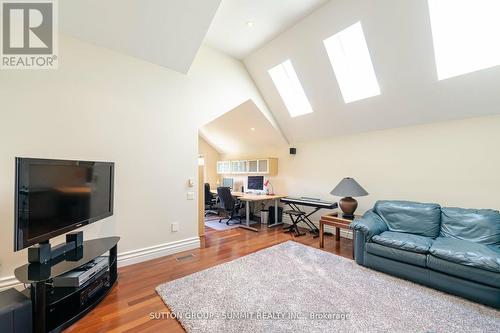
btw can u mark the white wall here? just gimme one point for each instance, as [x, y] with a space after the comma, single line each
[100, 105]
[452, 163]
[210, 156]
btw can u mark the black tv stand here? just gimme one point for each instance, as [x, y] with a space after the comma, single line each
[57, 308]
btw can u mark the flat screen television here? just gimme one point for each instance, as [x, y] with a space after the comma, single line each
[54, 197]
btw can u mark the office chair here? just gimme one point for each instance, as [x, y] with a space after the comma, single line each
[210, 201]
[229, 204]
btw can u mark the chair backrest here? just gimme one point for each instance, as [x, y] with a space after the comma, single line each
[475, 225]
[410, 217]
[208, 194]
[226, 200]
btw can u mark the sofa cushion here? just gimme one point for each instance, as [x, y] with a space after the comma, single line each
[467, 253]
[464, 272]
[475, 225]
[402, 241]
[413, 258]
[410, 217]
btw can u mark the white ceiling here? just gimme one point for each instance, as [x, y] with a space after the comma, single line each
[229, 31]
[165, 32]
[244, 129]
[398, 34]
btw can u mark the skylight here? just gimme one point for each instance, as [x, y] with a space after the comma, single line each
[286, 81]
[352, 64]
[465, 34]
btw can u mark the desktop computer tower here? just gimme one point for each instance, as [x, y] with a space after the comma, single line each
[271, 215]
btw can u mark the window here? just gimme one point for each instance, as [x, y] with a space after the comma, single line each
[286, 81]
[465, 35]
[352, 64]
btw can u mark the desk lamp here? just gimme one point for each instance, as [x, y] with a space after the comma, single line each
[268, 184]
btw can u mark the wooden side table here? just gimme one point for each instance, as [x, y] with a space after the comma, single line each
[335, 220]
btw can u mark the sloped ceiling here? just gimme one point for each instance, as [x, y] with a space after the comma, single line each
[242, 132]
[164, 32]
[398, 34]
[230, 31]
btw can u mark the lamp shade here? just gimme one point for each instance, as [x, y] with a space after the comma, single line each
[348, 187]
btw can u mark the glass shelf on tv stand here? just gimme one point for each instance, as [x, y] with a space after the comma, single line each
[91, 249]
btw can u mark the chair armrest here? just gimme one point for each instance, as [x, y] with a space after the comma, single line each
[370, 225]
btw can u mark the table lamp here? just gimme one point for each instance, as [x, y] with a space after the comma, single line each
[348, 188]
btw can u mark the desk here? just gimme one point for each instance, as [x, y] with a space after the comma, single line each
[248, 198]
[260, 197]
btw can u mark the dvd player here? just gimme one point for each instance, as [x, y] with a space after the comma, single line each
[82, 274]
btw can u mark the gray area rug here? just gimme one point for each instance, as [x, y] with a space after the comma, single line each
[213, 222]
[291, 287]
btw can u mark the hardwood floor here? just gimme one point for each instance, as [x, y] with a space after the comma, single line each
[129, 305]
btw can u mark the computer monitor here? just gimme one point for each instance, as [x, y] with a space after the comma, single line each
[255, 183]
[228, 182]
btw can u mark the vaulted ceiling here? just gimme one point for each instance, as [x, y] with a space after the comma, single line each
[170, 32]
[398, 35]
[165, 32]
[243, 130]
[242, 26]
[399, 38]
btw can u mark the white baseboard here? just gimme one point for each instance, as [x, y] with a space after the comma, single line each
[9, 282]
[130, 257]
[157, 251]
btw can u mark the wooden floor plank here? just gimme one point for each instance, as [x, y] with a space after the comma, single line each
[130, 304]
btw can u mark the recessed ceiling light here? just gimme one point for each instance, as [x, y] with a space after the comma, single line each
[250, 24]
[252, 128]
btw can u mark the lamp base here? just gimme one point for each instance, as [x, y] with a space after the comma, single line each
[348, 206]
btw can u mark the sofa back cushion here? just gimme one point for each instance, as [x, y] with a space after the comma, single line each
[410, 217]
[475, 225]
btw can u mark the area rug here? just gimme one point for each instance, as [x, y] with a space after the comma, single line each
[291, 287]
[213, 222]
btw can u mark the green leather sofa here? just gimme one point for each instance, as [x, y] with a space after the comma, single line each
[455, 250]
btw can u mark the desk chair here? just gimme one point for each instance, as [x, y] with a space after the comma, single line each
[210, 201]
[229, 204]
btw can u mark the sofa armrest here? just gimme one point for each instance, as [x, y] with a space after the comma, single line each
[369, 225]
